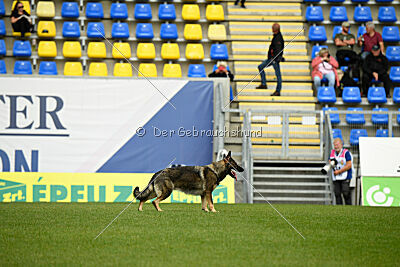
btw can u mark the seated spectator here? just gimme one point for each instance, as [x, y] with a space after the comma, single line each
[369, 39]
[324, 66]
[376, 65]
[222, 71]
[21, 20]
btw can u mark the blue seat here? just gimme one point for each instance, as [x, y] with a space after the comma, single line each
[143, 11]
[383, 1]
[219, 52]
[336, 30]
[3, 49]
[197, 71]
[380, 118]
[337, 133]
[120, 30]
[351, 95]
[326, 94]
[376, 95]
[48, 68]
[23, 67]
[314, 14]
[335, 118]
[355, 118]
[382, 133]
[2, 8]
[71, 29]
[144, 31]
[312, 1]
[22, 49]
[362, 14]
[393, 53]
[168, 31]
[359, 1]
[398, 118]
[395, 74]
[95, 30]
[361, 31]
[166, 12]
[355, 135]
[317, 34]
[335, 1]
[387, 14]
[338, 14]
[396, 95]
[390, 34]
[3, 68]
[2, 28]
[315, 50]
[94, 10]
[70, 10]
[119, 11]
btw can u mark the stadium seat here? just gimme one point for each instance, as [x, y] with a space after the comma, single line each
[120, 30]
[98, 69]
[338, 14]
[47, 49]
[219, 52]
[312, 1]
[71, 29]
[46, 29]
[48, 68]
[3, 49]
[94, 10]
[387, 14]
[97, 50]
[393, 53]
[355, 134]
[317, 34]
[314, 14]
[383, 1]
[380, 118]
[337, 133]
[119, 11]
[144, 31]
[376, 95]
[27, 6]
[215, 13]
[216, 32]
[315, 50]
[193, 32]
[359, 1]
[362, 14]
[73, 69]
[391, 34]
[121, 50]
[170, 51]
[336, 30]
[2, 28]
[361, 30]
[335, 118]
[396, 95]
[326, 95]
[122, 70]
[382, 133]
[398, 118]
[3, 68]
[143, 11]
[194, 51]
[70, 10]
[395, 74]
[23, 67]
[45, 9]
[354, 118]
[2, 8]
[166, 12]
[147, 69]
[72, 49]
[95, 30]
[146, 51]
[22, 49]
[172, 71]
[190, 12]
[197, 71]
[168, 31]
[335, 1]
[351, 95]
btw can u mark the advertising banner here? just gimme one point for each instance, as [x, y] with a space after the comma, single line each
[380, 191]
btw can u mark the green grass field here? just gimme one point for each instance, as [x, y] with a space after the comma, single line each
[183, 235]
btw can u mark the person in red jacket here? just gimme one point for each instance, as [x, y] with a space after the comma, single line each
[324, 66]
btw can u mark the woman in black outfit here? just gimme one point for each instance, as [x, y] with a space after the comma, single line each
[20, 19]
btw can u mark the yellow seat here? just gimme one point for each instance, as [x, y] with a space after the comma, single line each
[72, 49]
[73, 69]
[46, 29]
[193, 32]
[191, 12]
[97, 50]
[172, 71]
[27, 6]
[147, 69]
[194, 51]
[98, 69]
[217, 32]
[47, 49]
[45, 9]
[123, 48]
[122, 70]
[170, 51]
[215, 12]
[146, 51]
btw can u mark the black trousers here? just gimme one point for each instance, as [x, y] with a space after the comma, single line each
[342, 187]
[367, 78]
[354, 63]
[241, 1]
[22, 26]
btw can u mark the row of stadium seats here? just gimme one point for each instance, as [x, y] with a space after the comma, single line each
[359, 118]
[392, 52]
[355, 134]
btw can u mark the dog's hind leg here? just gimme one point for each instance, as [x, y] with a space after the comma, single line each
[141, 205]
[210, 201]
[204, 203]
[163, 191]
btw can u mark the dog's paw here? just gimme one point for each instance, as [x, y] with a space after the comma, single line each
[206, 210]
[214, 211]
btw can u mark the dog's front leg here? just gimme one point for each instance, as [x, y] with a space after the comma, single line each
[210, 201]
[204, 203]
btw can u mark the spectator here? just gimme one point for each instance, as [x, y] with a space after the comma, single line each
[241, 3]
[324, 66]
[376, 66]
[222, 71]
[275, 52]
[369, 39]
[20, 19]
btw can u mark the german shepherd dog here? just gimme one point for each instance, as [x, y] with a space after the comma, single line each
[194, 180]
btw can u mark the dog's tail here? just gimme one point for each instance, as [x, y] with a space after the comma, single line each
[141, 195]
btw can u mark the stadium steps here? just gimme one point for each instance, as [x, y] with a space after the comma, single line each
[262, 31]
[256, 11]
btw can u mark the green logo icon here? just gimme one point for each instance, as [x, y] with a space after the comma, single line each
[12, 191]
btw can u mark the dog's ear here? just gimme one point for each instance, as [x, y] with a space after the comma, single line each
[229, 155]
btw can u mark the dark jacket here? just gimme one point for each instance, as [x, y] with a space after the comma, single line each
[276, 46]
[379, 64]
[221, 75]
